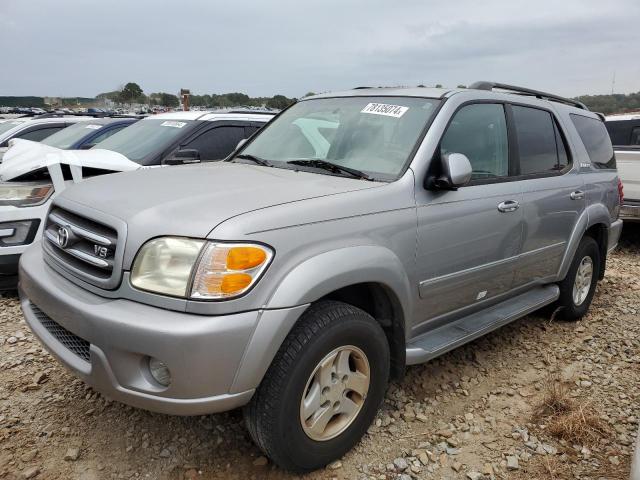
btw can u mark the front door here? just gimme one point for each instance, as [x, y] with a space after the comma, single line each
[469, 240]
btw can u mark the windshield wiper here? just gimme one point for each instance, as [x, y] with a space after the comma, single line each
[331, 167]
[254, 159]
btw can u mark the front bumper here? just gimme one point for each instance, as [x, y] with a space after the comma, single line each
[10, 255]
[630, 211]
[615, 230]
[215, 361]
[9, 271]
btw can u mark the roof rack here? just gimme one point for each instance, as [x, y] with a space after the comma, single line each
[527, 91]
[252, 112]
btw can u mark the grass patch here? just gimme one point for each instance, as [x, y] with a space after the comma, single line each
[567, 419]
[575, 421]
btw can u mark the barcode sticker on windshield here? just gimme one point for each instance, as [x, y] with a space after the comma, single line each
[94, 127]
[169, 123]
[385, 109]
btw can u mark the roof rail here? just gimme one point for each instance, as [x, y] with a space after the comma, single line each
[252, 112]
[527, 91]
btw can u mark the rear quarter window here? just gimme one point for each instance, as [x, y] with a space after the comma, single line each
[596, 141]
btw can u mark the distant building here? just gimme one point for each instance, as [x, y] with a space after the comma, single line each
[52, 101]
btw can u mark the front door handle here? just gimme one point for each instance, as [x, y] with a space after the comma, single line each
[508, 206]
[577, 195]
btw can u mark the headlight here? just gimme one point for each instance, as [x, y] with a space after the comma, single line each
[164, 265]
[24, 194]
[199, 269]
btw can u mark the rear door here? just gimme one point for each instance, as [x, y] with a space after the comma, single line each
[553, 192]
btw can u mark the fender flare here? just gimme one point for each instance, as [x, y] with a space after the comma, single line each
[329, 271]
[591, 215]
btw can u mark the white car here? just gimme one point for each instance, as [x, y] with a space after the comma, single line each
[624, 131]
[32, 175]
[33, 128]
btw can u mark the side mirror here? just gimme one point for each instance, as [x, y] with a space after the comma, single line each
[456, 172]
[241, 143]
[182, 157]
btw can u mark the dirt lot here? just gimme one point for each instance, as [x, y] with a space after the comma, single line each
[536, 399]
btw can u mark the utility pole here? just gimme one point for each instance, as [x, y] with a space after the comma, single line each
[613, 82]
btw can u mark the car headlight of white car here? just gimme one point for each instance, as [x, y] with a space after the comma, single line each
[24, 194]
[199, 269]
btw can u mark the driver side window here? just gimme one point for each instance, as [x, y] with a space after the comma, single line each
[479, 131]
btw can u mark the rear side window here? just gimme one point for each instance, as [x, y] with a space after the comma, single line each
[540, 145]
[635, 136]
[41, 134]
[596, 141]
[479, 131]
[217, 143]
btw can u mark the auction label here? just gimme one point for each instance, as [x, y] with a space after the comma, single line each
[385, 109]
[169, 123]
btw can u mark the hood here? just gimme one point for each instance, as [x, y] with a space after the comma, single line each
[191, 200]
[25, 157]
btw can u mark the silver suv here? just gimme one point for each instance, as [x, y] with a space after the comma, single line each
[358, 233]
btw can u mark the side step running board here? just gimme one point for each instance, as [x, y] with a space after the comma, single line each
[447, 337]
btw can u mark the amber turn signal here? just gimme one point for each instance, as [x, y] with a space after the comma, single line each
[244, 258]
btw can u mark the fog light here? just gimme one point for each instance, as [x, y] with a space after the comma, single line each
[18, 233]
[159, 371]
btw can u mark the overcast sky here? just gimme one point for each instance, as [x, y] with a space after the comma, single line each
[81, 48]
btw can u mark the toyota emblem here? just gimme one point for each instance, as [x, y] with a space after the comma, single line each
[63, 237]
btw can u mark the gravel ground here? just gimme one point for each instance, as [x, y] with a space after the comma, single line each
[474, 413]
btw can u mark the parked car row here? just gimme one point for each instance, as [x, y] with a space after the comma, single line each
[34, 129]
[33, 174]
[357, 233]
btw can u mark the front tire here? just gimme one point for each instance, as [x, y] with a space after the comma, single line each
[579, 286]
[323, 388]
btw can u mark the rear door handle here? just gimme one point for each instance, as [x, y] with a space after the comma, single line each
[508, 206]
[577, 195]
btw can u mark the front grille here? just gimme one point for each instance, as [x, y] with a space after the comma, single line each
[86, 246]
[72, 342]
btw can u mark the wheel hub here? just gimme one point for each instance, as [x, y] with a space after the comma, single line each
[582, 282]
[335, 393]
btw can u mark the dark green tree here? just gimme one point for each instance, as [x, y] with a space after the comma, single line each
[164, 99]
[279, 102]
[237, 98]
[131, 93]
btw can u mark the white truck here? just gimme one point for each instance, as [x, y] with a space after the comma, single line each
[624, 131]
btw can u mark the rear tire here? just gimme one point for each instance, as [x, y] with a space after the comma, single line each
[333, 365]
[579, 286]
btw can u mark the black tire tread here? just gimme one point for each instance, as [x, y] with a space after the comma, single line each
[566, 310]
[259, 415]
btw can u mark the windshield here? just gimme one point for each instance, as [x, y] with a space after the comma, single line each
[6, 126]
[67, 137]
[145, 137]
[374, 135]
